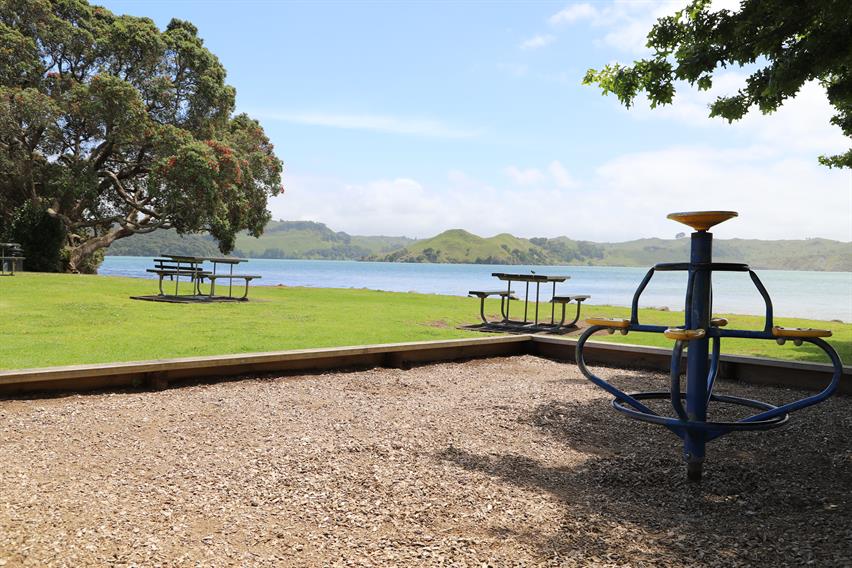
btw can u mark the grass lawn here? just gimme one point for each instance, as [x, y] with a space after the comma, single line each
[59, 319]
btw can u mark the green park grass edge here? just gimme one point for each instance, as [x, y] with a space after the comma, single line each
[61, 319]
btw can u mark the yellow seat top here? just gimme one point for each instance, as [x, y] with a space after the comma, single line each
[609, 322]
[681, 334]
[778, 331]
[701, 220]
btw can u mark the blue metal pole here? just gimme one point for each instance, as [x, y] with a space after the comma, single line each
[698, 317]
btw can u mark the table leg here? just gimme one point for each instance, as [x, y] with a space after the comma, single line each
[508, 291]
[537, 289]
[553, 306]
[231, 282]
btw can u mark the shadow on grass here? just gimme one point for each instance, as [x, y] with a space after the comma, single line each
[776, 498]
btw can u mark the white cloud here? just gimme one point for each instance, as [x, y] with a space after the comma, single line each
[801, 125]
[626, 197]
[573, 13]
[560, 175]
[626, 23]
[556, 175]
[776, 196]
[377, 123]
[537, 41]
[529, 176]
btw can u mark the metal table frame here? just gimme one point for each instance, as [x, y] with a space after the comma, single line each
[527, 279]
[193, 270]
[11, 259]
[215, 261]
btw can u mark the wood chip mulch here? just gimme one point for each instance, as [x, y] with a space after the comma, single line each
[502, 462]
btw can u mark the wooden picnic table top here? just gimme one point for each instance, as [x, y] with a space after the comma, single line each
[529, 277]
[214, 259]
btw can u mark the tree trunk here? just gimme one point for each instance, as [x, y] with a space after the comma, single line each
[80, 257]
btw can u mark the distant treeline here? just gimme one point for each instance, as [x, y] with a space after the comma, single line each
[309, 240]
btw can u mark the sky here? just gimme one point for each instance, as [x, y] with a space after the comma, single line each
[410, 118]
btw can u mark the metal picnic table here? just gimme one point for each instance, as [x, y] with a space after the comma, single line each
[11, 259]
[538, 279]
[174, 266]
[216, 274]
[527, 325]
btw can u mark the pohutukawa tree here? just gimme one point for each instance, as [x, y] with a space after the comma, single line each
[785, 43]
[113, 128]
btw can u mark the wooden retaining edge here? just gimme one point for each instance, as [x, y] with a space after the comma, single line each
[158, 374]
[755, 370]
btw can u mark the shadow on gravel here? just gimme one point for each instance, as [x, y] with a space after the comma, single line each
[776, 498]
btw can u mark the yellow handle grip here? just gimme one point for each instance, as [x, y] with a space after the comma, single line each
[680, 334]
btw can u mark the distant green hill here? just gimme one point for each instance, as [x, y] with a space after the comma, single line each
[164, 242]
[281, 239]
[457, 246]
[808, 254]
[309, 240]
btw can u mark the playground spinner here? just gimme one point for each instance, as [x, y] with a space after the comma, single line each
[700, 329]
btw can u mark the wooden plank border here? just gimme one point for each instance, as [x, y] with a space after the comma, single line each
[160, 373]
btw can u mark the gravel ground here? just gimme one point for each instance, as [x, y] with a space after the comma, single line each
[515, 461]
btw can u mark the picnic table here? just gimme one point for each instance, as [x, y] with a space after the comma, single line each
[11, 259]
[174, 266]
[508, 295]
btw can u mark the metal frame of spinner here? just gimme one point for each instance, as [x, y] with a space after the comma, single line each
[700, 328]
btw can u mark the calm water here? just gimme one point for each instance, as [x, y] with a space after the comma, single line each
[819, 295]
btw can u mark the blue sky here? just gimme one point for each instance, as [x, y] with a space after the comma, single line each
[412, 118]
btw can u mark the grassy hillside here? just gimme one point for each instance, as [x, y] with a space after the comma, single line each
[281, 239]
[459, 246]
[810, 254]
[306, 239]
[309, 240]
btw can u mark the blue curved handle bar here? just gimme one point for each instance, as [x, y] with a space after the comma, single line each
[772, 415]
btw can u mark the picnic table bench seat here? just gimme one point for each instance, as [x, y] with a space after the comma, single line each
[564, 301]
[505, 297]
[230, 277]
[173, 269]
[486, 293]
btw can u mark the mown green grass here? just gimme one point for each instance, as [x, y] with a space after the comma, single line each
[58, 319]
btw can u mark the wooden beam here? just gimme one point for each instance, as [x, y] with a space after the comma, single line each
[159, 373]
[163, 372]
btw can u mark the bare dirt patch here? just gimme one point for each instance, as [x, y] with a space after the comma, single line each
[515, 461]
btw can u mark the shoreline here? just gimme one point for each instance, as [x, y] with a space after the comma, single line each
[556, 265]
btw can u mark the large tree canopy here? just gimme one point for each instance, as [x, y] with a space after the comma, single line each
[788, 43]
[113, 127]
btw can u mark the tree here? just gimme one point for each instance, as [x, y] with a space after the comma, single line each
[114, 128]
[787, 43]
